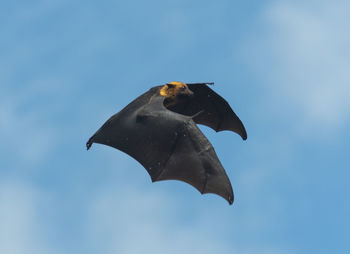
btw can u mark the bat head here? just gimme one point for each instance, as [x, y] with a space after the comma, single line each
[175, 90]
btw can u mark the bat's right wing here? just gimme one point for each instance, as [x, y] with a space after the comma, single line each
[169, 146]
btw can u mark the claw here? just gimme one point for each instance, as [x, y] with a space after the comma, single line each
[89, 143]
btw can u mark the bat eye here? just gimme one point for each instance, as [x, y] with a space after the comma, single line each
[183, 88]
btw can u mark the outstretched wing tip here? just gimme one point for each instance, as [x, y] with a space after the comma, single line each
[241, 131]
[202, 83]
[89, 143]
[244, 136]
[230, 200]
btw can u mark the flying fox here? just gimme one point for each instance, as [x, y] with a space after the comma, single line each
[159, 129]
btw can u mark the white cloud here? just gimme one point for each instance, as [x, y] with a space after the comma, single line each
[146, 221]
[302, 53]
[26, 135]
[20, 230]
[124, 219]
[120, 220]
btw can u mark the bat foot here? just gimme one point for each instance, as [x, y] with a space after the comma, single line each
[197, 114]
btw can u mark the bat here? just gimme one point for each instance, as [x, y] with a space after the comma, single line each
[159, 130]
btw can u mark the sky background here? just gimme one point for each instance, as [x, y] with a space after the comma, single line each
[67, 66]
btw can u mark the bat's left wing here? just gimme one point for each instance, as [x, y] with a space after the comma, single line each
[216, 112]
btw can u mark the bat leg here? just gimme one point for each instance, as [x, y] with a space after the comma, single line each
[197, 114]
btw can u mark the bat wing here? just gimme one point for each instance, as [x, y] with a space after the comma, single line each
[169, 146]
[216, 112]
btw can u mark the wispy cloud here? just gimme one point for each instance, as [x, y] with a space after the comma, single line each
[301, 53]
[26, 134]
[130, 221]
[21, 230]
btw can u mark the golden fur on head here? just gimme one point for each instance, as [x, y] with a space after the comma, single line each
[172, 89]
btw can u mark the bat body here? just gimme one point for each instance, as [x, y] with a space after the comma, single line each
[159, 130]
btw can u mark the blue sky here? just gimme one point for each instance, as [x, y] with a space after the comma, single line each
[66, 66]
